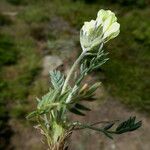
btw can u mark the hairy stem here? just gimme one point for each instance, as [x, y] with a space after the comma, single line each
[72, 70]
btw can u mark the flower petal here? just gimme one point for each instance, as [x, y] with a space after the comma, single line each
[112, 32]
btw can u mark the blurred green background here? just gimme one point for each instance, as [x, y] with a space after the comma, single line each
[25, 33]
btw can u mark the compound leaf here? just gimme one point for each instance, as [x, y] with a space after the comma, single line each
[57, 79]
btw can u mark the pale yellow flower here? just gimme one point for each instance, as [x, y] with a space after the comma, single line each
[98, 31]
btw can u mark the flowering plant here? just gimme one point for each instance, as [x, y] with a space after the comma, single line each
[52, 108]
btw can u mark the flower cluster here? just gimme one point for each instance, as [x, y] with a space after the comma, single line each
[98, 31]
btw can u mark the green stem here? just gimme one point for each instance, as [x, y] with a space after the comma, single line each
[72, 70]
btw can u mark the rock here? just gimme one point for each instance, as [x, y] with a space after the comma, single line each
[11, 14]
[50, 63]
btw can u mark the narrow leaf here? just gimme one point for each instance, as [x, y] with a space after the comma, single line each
[77, 112]
[82, 107]
[108, 135]
[31, 115]
[107, 127]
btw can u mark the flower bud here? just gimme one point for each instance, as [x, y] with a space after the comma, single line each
[99, 31]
